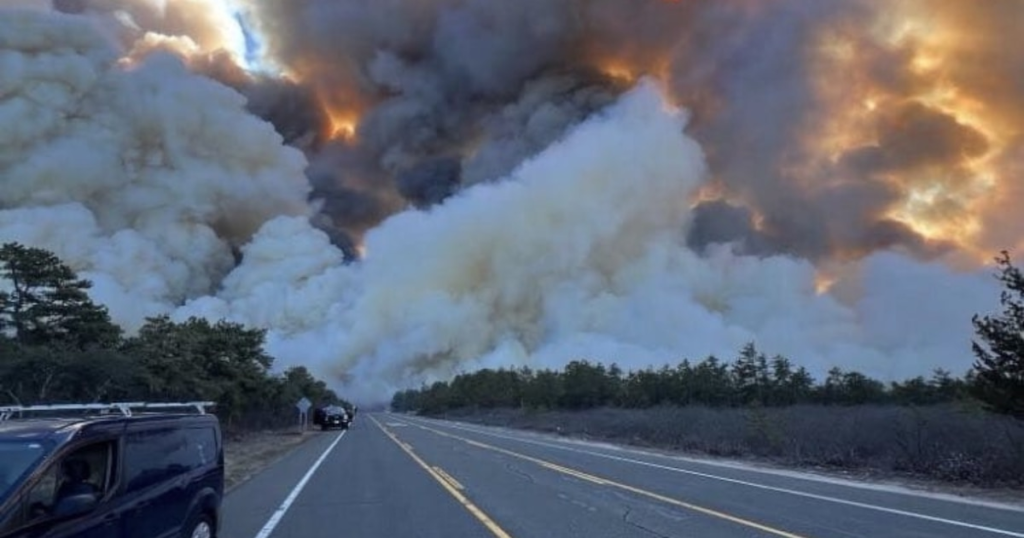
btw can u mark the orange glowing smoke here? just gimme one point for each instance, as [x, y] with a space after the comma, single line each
[924, 88]
[342, 115]
[709, 192]
[618, 70]
[823, 283]
[946, 197]
[342, 124]
[888, 82]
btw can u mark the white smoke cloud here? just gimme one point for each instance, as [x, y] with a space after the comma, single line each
[581, 254]
[290, 280]
[142, 177]
[146, 177]
[140, 26]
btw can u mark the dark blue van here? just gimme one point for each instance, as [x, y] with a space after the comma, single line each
[112, 471]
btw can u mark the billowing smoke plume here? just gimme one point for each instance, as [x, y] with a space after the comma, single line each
[147, 177]
[518, 197]
[580, 253]
[889, 124]
[883, 122]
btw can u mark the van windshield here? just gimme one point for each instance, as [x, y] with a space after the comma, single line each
[17, 458]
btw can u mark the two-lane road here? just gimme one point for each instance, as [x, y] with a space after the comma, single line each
[397, 476]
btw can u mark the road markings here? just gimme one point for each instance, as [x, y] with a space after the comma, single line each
[604, 481]
[272, 523]
[825, 498]
[448, 478]
[571, 472]
[450, 488]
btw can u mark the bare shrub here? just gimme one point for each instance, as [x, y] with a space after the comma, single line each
[948, 442]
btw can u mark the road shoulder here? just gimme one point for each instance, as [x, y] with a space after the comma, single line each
[247, 506]
[248, 454]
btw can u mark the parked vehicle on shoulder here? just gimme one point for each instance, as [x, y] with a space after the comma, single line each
[139, 470]
[332, 416]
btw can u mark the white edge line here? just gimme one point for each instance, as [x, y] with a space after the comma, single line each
[751, 484]
[271, 524]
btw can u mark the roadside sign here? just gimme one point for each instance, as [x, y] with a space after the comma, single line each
[303, 406]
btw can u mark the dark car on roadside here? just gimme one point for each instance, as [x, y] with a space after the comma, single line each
[332, 416]
[110, 471]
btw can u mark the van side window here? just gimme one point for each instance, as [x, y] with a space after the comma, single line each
[205, 444]
[155, 455]
[87, 470]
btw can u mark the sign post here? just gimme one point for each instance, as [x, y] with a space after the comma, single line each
[303, 406]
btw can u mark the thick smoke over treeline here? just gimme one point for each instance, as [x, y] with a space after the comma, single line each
[883, 120]
[866, 143]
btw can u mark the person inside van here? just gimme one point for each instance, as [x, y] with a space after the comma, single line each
[76, 473]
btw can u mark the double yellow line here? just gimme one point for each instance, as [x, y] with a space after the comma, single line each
[448, 483]
[607, 482]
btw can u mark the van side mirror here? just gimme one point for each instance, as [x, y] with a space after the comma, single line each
[75, 505]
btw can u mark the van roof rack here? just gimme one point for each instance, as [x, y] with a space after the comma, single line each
[124, 408]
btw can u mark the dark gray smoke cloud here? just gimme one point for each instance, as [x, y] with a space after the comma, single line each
[489, 82]
[431, 181]
[718, 221]
[547, 107]
[292, 109]
[775, 90]
[354, 193]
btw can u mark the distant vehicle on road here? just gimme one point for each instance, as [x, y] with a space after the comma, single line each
[332, 416]
[110, 471]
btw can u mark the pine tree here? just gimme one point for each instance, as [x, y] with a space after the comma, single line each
[47, 304]
[999, 368]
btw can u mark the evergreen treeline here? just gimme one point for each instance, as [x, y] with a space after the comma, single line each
[752, 379]
[57, 346]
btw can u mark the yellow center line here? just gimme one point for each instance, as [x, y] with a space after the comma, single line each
[577, 474]
[605, 481]
[449, 487]
[448, 478]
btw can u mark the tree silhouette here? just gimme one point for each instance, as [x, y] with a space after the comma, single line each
[999, 368]
[48, 304]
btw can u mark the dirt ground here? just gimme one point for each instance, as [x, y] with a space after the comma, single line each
[247, 454]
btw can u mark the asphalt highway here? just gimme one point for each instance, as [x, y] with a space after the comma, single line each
[395, 476]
